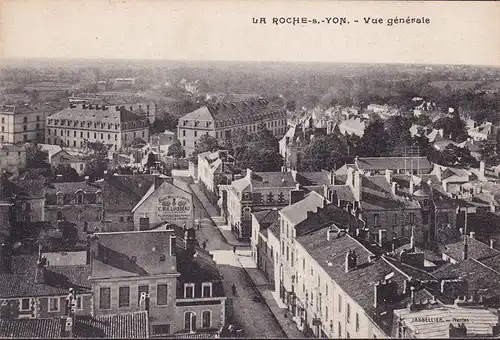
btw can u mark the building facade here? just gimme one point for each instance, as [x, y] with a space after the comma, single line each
[12, 158]
[224, 120]
[24, 123]
[75, 126]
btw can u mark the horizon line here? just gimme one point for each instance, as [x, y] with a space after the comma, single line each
[107, 59]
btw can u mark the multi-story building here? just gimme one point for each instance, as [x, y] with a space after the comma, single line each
[224, 120]
[256, 191]
[74, 126]
[27, 198]
[57, 156]
[134, 104]
[79, 203]
[141, 202]
[24, 123]
[262, 250]
[157, 271]
[32, 288]
[12, 158]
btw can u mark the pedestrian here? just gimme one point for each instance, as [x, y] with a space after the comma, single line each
[234, 249]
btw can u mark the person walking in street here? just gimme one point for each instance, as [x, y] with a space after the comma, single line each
[234, 249]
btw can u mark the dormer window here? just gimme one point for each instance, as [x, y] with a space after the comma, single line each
[189, 290]
[79, 197]
[206, 289]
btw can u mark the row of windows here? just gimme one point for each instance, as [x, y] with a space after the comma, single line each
[54, 304]
[97, 125]
[25, 119]
[124, 296]
[80, 197]
[68, 133]
[410, 219]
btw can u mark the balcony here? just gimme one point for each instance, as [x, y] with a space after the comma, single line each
[208, 301]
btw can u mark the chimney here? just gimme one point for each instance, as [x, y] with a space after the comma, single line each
[492, 243]
[388, 175]
[5, 259]
[371, 258]
[68, 327]
[412, 186]
[249, 174]
[394, 188]
[357, 187]
[332, 177]
[350, 260]
[412, 238]
[190, 241]
[40, 267]
[381, 236]
[385, 292]
[472, 234]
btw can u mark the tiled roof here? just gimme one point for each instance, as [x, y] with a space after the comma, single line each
[298, 212]
[200, 114]
[266, 218]
[254, 108]
[313, 178]
[275, 229]
[325, 216]
[377, 195]
[123, 192]
[30, 328]
[121, 326]
[382, 163]
[342, 192]
[476, 250]
[115, 252]
[71, 187]
[358, 283]
[101, 116]
[480, 278]
[492, 262]
[58, 279]
[273, 180]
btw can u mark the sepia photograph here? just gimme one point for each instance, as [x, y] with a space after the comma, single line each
[249, 169]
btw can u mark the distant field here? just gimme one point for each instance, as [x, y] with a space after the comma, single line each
[455, 84]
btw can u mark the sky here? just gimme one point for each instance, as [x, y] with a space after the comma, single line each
[459, 32]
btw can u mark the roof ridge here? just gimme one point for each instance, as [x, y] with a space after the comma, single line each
[488, 267]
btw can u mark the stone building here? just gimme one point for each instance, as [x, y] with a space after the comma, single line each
[74, 126]
[224, 120]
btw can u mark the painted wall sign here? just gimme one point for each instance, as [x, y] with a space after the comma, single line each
[174, 207]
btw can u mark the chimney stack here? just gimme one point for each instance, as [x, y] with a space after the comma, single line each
[350, 260]
[5, 259]
[394, 188]
[412, 238]
[388, 175]
[296, 195]
[40, 267]
[357, 186]
[412, 186]
[492, 244]
[332, 177]
[381, 236]
[472, 234]
[68, 327]
[481, 169]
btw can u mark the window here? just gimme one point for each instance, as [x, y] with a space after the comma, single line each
[173, 245]
[206, 289]
[189, 321]
[326, 312]
[348, 313]
[105, 298]
[130, 218]
[375, 219]
[411, 218]
[3, 120]
[54, 304]
[340, 304]
[140, 290]
[161, 295]
[206, 319]
[121, 219]
[184, 133]
[123, 297]
[60, 199]
[347, 335]
[196, 134]
[161, 329]
[79, 303]
[340, 329]
[24, 304]
[189, 290]
[25, 119]
[357, 322]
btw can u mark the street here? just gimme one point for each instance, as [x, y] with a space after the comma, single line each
[254, 317]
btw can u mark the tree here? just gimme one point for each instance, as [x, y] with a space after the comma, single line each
[203, 144]
[175, 150]
[323, 153]
[258, 151]
[453, 156]
[68, 173]
[96, 161]
[489, 153]
[35, 156]
[375, 140]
